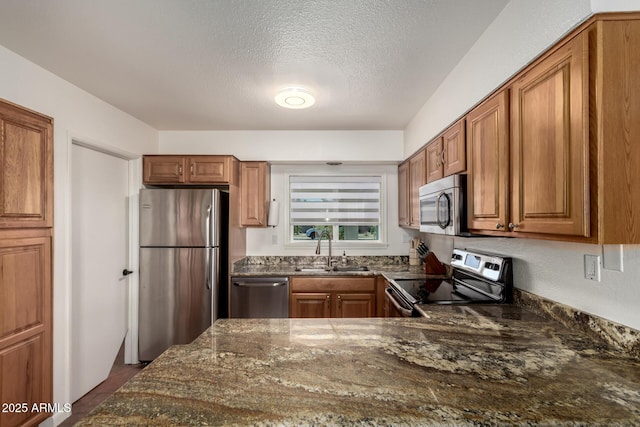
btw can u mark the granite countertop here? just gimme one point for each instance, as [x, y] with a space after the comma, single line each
[390, 267]
[463, 365]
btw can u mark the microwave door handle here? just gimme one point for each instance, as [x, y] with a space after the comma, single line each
[438, 218]
[438, 210]
[447, 221]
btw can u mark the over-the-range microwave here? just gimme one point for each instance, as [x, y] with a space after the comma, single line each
[443, 207]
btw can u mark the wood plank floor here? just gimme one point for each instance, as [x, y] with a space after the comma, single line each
[120, 374]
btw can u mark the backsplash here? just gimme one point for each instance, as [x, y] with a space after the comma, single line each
[619, 336]
[321, 260]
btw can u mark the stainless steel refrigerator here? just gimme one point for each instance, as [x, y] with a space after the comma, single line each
[183, 274]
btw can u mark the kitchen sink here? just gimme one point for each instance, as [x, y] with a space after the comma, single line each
[313, 269]
[351, 268]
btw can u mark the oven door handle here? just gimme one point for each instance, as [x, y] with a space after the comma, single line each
[392, 300]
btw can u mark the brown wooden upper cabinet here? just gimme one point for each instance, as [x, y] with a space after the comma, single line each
[550, 144]
[536, 181]
[404, 200]
[488, 155]
[417, 178]
[255, 192]
[26, 175]
[564, 164]
[411, 176]
[446, 155]
[169, 169]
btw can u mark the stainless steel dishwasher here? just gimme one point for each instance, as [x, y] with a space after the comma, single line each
[259, 297]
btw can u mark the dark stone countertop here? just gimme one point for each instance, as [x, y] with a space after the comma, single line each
[462, 365]
[389, 267]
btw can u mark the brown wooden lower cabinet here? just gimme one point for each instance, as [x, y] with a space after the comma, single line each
[328, 296]
[310, 305]
[25, 325]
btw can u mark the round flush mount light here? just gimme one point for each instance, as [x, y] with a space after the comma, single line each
[295, 98]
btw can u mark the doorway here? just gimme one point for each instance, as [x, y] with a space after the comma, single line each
[100, 228]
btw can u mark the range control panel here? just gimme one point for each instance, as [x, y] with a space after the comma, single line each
[487, 266]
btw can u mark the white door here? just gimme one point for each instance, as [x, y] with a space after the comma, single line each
[100, 241]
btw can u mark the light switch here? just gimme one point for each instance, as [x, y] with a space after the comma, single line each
[592, 267]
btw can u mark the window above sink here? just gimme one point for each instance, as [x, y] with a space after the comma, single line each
[348, 207]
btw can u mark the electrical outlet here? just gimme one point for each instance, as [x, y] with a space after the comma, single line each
[274, 239]
[592, 265]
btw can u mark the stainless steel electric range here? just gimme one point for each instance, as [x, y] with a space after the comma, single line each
[476, 278]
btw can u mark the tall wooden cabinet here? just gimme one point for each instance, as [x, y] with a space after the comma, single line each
[26, 220]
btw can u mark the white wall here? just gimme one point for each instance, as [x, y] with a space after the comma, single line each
[520, 32]
[553, 270]
[614, 5]
[78, 114]
[305, 146]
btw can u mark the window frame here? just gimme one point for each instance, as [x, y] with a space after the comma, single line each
[345, 171]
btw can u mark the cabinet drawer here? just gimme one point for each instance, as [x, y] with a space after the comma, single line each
[332, 284]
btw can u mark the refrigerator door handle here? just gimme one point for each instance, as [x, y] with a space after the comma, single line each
[207, 267]
[208, 227]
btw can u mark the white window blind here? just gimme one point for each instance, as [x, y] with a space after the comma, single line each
[334, 200]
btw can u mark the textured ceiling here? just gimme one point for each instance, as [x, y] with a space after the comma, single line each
[213, 65]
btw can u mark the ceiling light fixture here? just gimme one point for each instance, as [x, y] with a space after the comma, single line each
[295, 98]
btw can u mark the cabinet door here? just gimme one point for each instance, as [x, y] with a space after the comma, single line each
[418, 178]
[434, 160]
[404, 205]
[209, 169]
[488, 156]
[254, 193]
[310, 305]
[454, 157]
[25, 326]
[550, 144]
[163, 169]
[355, 305]
[26, 171]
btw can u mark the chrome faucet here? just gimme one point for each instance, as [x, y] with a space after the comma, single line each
[326, 234]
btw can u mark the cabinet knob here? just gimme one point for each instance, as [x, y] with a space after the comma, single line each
[191, 168]
[499, 226]
[442, 156]
[179, 170]
[513, 226]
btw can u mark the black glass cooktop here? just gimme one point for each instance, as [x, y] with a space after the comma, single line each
[438, 291]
